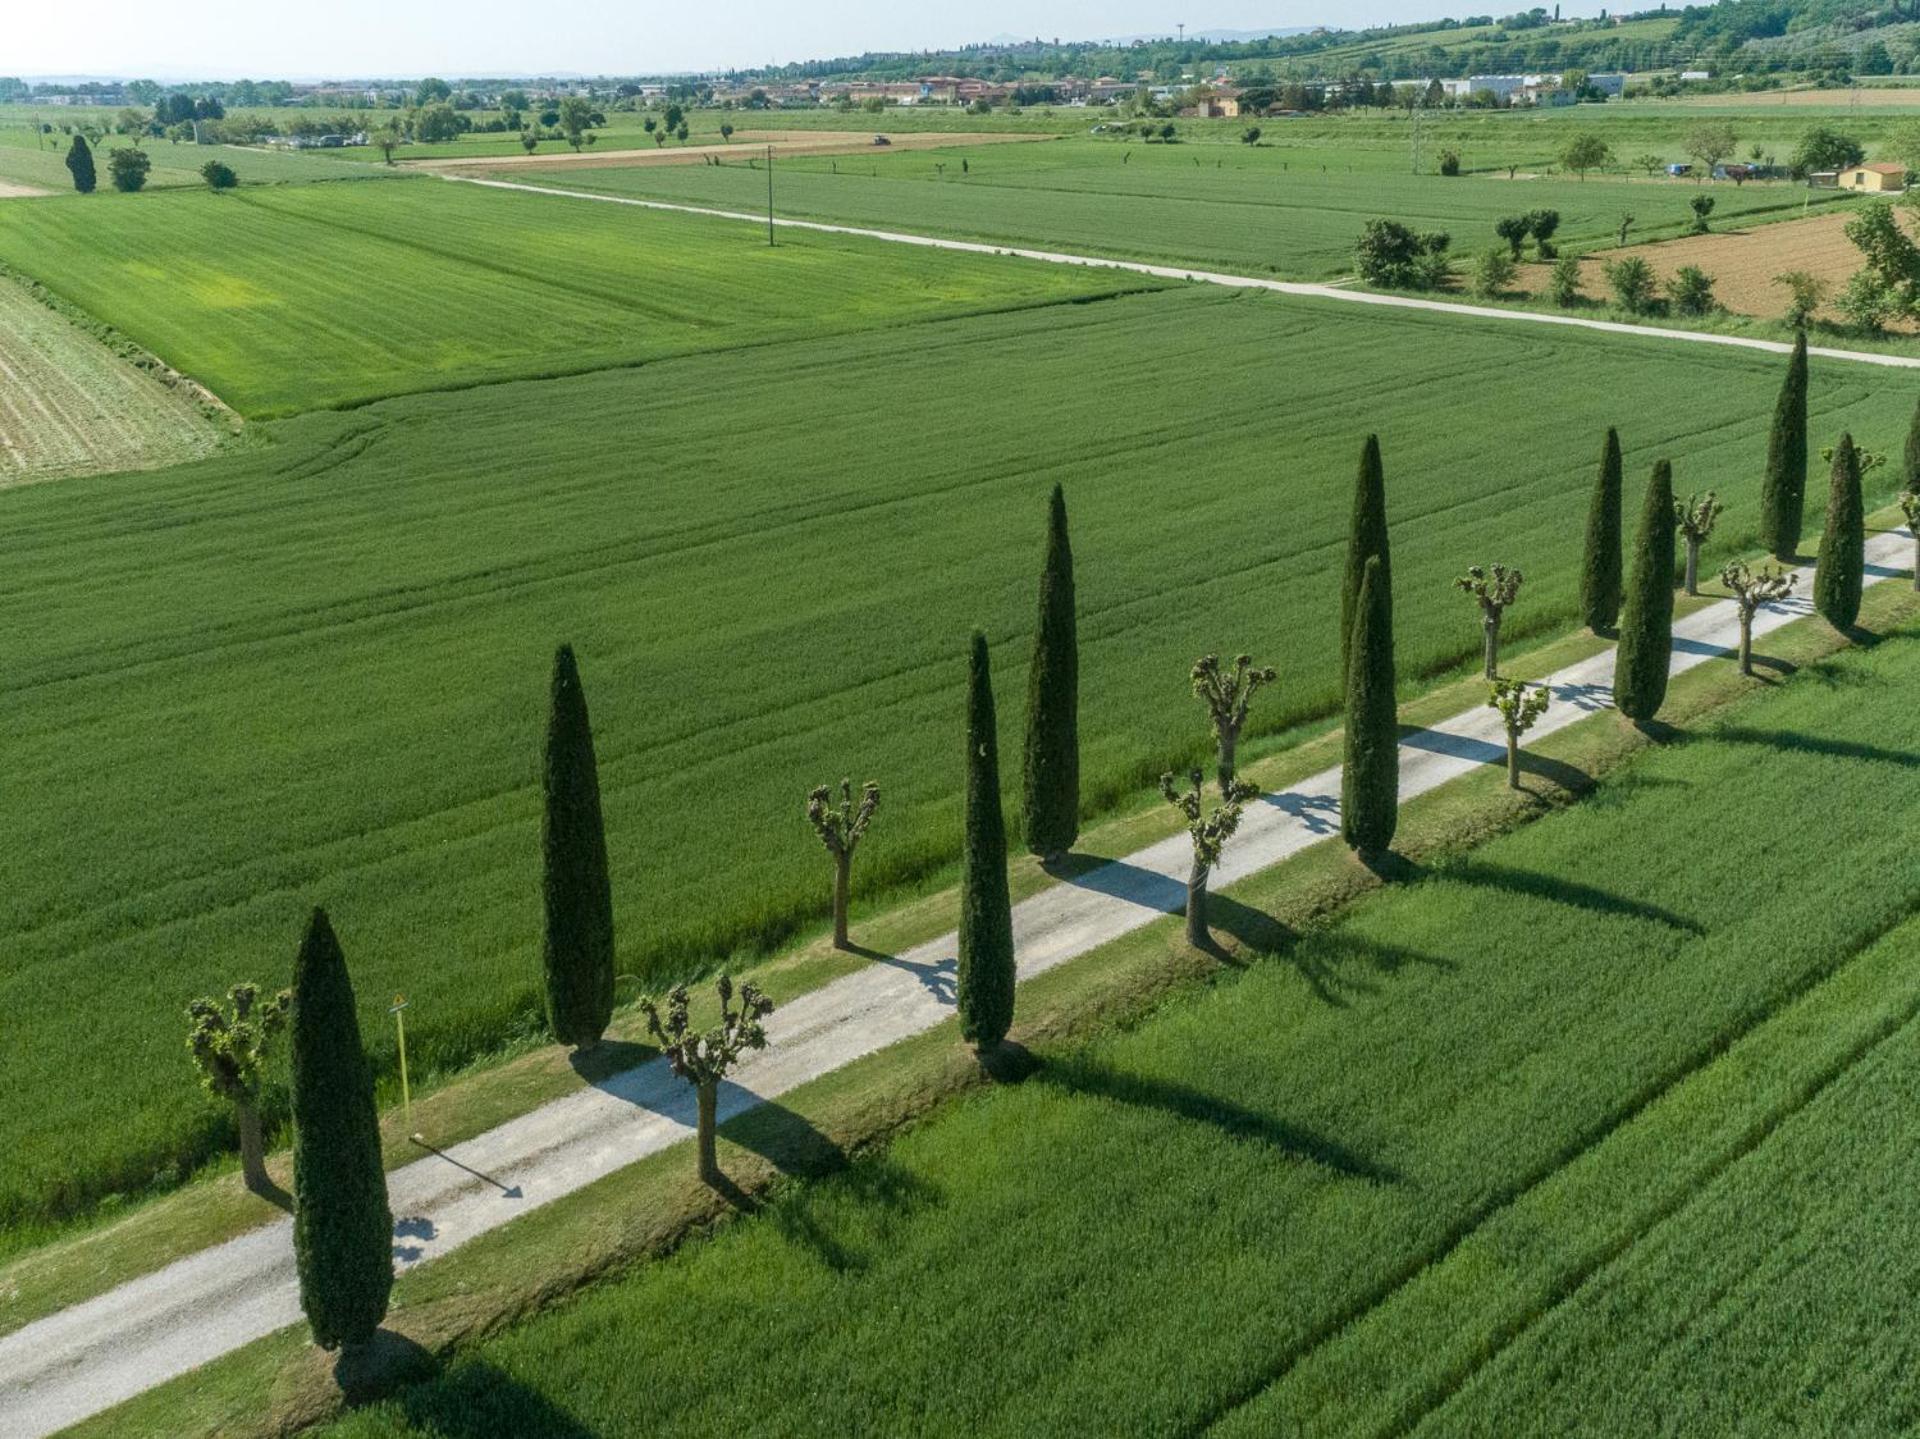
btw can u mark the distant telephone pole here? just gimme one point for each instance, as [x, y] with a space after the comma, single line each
[769, 197]
[1183, 32]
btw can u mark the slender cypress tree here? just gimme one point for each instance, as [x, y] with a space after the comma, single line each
[80, 165]
[1783, 493]
[1840, 575]
[578, 951]
[1600, 579]
[1366, 539]
[342, 1227]
[1052, 798]
[1910, 469]
[986, 974]
[1645, 652]
[1370, 779]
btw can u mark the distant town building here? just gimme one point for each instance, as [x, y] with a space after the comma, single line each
[1879, 179]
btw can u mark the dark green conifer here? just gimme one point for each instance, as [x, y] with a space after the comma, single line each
[1600, 578]
[1052, 795]
[1370, 778]
[1783, 492]
[578, 951]
[986, 973]
[80, 165]
[1910, 468]
[1645, 652]
[342, 1227]
[1840, 575]
[1366, 539]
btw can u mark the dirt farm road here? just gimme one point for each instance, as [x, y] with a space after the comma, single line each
[87, 1358]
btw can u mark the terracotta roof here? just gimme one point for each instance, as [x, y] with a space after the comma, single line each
[1884, 167]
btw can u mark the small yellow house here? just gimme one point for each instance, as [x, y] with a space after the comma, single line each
[1880, 179]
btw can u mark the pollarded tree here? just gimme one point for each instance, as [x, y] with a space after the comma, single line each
[985, 981]
[1600, 575]
[1495, 588]
[80, 165]
[1227, 694]
[1209, 830]
[1645, 652]
[342, 1225]
[578, 948]
[1515, 231]
[1702, 207]
[1840, 575]
[1783, 492]
[1370, 775]
[841, 827]
[230, 1048]
[1751, 590]
[1367, 539]
[1052, 760]
[705, 1057]
[1910, 507]
[1696, 516]
[1520, 705]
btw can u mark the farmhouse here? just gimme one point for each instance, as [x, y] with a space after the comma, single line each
[1882, 178]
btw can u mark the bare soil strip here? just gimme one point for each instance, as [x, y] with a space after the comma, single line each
[14, 190]
[745, 144]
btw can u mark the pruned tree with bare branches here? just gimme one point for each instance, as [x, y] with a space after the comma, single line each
[1227, 694]
[1210, 829]
[841, 825]
[1696, 516]
[1752, 589]
[1521, 705]
[704, 1058]
[230, 1047]
[1495, 587]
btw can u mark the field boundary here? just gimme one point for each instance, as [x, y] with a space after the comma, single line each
[137, 355]
[1296, 288]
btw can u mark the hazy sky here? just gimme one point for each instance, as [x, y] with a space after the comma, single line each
[356, 38]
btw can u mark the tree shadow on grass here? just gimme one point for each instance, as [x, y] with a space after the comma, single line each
[1079, 1076]
[1559, 890]
[1796, 742]
[473, 1399]
[387, 1362]
[1334, 964]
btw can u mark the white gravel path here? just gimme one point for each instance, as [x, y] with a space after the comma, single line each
[1214, 277]
[87, 1358]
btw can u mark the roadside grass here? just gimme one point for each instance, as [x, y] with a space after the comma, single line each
[295, 299]
[316, 671]
[1290, 210]
[1420, 1066]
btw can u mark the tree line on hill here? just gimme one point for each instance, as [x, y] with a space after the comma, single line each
[342, 1219]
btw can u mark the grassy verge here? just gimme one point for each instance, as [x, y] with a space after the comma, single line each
[647, 1209]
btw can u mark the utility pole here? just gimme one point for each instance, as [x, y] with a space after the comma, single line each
[1183, 32]
[769, 197]
[1414, 114]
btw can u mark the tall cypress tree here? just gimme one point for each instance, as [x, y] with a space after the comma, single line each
[578, 952]
[1840, 575]
[1783, 493]
[1370, 778]
[342, 1227]
[986, 974]
[1910, 469]
[80, 165]
[1600, 578]
[1645, 652]
[1366, 539]
[1052, 796]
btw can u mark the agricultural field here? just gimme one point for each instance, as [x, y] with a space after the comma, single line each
[1293, 212]
[28, 158]
[1596, 1128]
[318, 670]
[70, 406]
[298, 298]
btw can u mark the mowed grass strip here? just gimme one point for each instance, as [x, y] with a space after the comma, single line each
[1292, 211]
[309, 296]
[70, 406]
[1146, 1234]
[316, 672]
